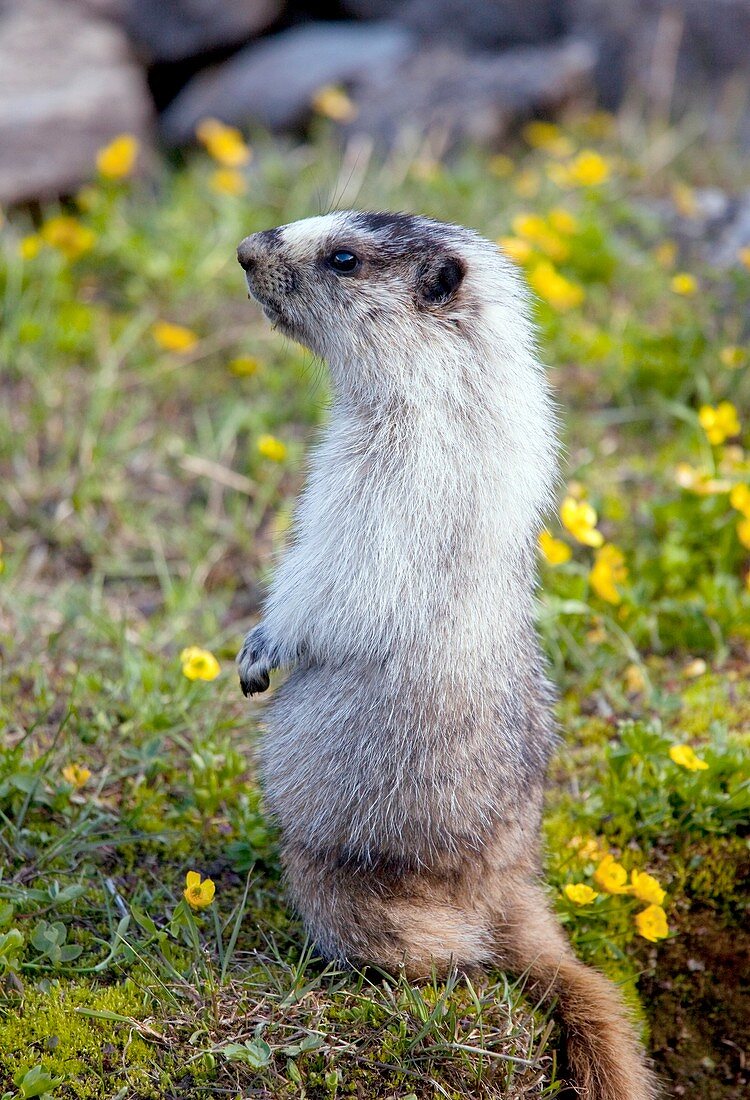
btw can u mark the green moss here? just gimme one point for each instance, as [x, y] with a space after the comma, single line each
[95, 1057]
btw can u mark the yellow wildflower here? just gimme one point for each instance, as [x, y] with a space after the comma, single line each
[744, 257]
[591, 849]
[563, 221]
[612, 876]
[224, 143]
[334, 103]
[76, 775]
[68, 236]
[733, 356]
[228, 181]
[580, 519]
[196, 893]
[686, 758]
[199, 664]
[665, 253]
[652, 923]
[646, 888]
[684, 283]
[719, 423]
[501, 166]
[245, 366]
[579, 893]
[534, 228]
[549, 284]
[30, 246]
[515, 247]
[547, 136]
[116, 160]
[608, 570]
[743, 532]
[588, 169]
[739, 498]
[555, 550]
[173, 337]
[271, 447]
[634, 678]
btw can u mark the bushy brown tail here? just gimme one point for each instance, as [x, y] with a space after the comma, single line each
[603, 1057]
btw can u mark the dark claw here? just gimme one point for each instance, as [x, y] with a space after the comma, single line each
[256, 684]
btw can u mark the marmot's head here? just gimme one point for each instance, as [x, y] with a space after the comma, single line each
[391, 293]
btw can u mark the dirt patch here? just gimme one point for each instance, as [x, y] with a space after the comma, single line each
[698, 1009]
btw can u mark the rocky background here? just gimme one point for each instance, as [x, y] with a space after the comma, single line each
[74, 73]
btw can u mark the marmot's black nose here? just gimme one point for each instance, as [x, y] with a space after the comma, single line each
[258, 245]
[246, 253]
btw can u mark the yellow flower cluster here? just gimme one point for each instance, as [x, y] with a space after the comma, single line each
[334, 103]
[579, 893]
[117, 160]
[651, 923]
[198, 893]
[555, 550]
[720, 422]
[228, 181]
[272, 448]
[587, 169]
[224, 143]
[608, 571]
[77, 775]
[199, 664]
[549, 138]
[686, 758]
[739, 498]
[612, 878]
[64, 233]
[173, 337]
[544, 234]
[561, 293]
[244, 366]
[580, 518]
[684, 284]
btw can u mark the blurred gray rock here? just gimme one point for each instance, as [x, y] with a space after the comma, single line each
[374, 9]
[67, 86]
[173, 30]
[486, 24]
[715, 232]
[672, 51]
[272, 81]
[477, 97]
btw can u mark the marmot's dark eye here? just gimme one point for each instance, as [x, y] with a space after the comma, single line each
[343, 261]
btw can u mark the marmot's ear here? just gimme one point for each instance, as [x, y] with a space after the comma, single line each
[438, 282]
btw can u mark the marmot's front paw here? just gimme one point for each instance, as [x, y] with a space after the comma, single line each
[255, 662]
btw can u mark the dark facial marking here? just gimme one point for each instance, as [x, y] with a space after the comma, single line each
[270, 237]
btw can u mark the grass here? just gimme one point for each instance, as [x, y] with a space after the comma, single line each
[141, 511]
